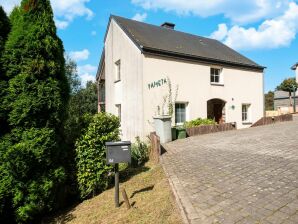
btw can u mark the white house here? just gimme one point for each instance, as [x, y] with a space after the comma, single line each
[213, 80]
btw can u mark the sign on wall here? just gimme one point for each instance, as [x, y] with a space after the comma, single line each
[157, 83]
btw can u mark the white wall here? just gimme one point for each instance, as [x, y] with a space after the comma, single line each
[240, 86]
[139, 103]
[127, 92]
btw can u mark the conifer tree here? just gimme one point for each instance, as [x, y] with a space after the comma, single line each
[35, 100]
[4, 31]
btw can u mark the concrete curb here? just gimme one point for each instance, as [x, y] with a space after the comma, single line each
[176, 195]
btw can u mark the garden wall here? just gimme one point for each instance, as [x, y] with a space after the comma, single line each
[272, 120]
[206, 129]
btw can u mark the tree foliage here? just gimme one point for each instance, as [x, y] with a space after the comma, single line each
[91, 157]
[4, 31]
[37, 92]
[269, 100]
[288, 85]
[82, 106]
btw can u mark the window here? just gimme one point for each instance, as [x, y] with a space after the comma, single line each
[119, 111]
[180, 113]
[245, 113]
[118, 71]
[215, 75]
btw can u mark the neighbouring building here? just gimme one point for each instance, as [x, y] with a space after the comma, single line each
[140, 59]
[282, 102]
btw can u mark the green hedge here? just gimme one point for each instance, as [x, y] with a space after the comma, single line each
[198, 122]
[93, 172]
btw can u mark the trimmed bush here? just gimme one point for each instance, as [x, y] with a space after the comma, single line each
[93, 172]
[198, 122]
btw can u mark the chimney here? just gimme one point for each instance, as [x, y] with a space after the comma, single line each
[168, 25]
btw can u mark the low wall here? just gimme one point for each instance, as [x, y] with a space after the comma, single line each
[206, 129]
[272, 120]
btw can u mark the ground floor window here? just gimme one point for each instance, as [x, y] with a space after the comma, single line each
[245, 112]
[119, 111]
[180, 113]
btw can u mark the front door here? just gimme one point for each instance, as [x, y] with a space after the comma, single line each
[217, 111]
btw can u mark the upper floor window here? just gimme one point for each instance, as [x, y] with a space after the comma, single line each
[215, 75]
[118, 71]
[118, 106]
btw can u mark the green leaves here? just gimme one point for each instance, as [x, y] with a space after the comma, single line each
[34, 92]
[90, 154]
[288, 85]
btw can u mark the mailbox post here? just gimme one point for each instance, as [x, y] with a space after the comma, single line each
[118, 152]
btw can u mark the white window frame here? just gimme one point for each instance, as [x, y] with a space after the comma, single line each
[186, 112]
[118, 106]
[118, 71]
[220, 75]
[248, 113]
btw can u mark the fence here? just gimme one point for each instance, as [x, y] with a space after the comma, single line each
[206, 129]
[272, 120]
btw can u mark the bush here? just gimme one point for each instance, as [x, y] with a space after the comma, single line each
[198, 122]
[139, 153]
[91, 154]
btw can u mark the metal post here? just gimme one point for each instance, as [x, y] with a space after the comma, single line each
[116, 185]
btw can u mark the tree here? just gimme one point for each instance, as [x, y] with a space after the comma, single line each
[288, 85]
[31, 153]
[82, 106]
[4, 31]
[269, 100]
[90, 154]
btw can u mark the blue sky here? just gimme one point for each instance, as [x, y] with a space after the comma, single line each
[263, 30]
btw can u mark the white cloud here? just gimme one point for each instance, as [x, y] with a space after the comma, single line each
[8, 5]
[272, 33]
[61, 24]
[65, 11]
[87, 73]
[93, 33]
[79, 55]
[140, 17]
[243, 11]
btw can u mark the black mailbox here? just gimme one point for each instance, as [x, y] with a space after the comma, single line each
[118, 152]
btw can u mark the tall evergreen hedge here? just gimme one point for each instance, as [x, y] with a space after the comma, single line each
[4, 31]
[37, 92]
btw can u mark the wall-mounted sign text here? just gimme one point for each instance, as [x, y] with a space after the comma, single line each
[157, 83]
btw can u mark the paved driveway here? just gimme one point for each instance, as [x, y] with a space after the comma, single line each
[245, 176]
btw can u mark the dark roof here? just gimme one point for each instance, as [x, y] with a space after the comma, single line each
[294, 66]
[158, 40]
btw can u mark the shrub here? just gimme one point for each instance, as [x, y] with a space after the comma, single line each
[91, 154]
[198, 122]
[139, 153]
[31, 178]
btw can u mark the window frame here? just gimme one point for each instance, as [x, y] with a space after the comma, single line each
[185, 112]
[246, 113]
[213, 76]
[119, 112]
[118, 70]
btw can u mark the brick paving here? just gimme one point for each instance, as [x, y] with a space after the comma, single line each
[244, 176]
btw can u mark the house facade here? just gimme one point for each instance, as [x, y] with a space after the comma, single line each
[282, 102]
[207, 78]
